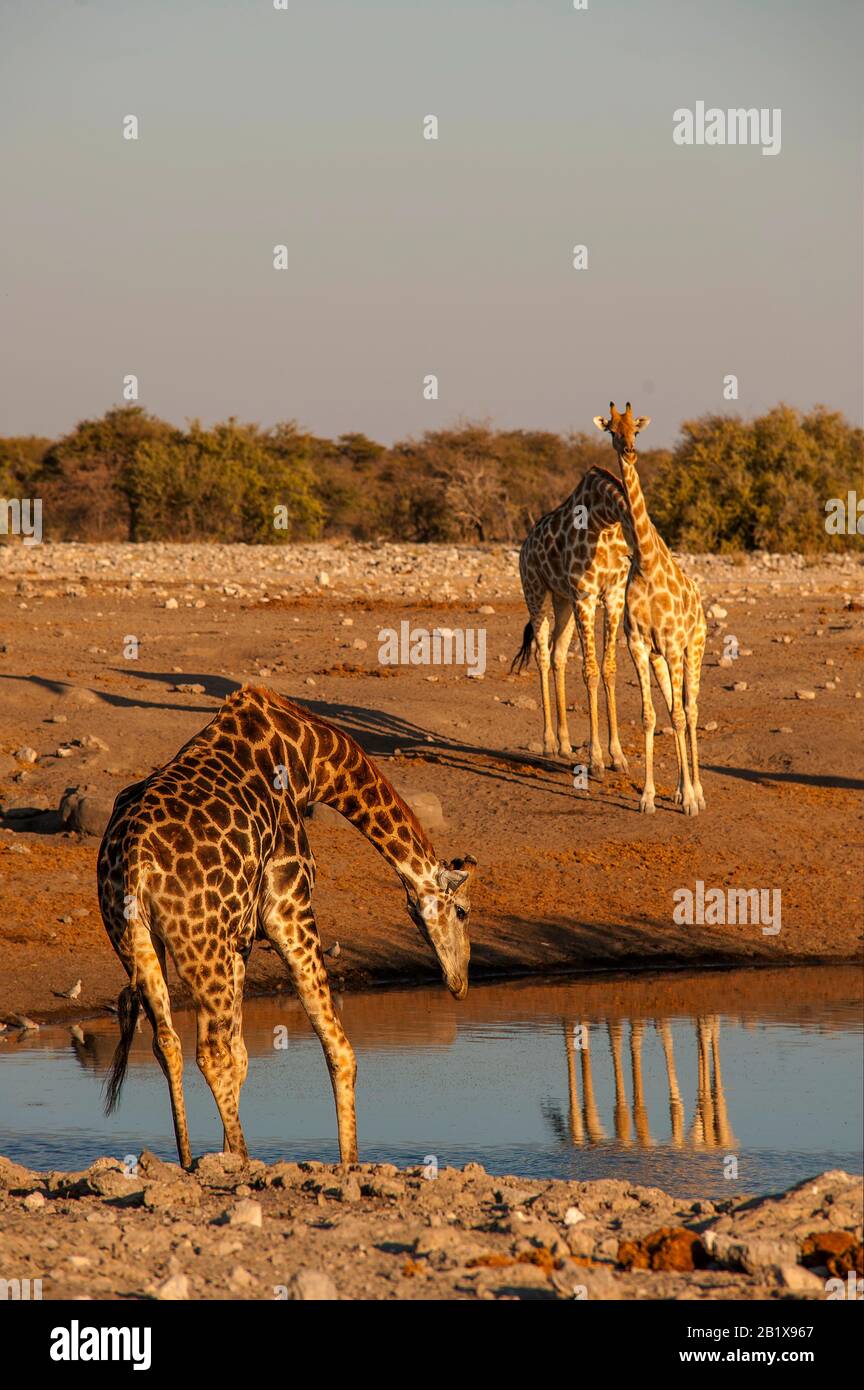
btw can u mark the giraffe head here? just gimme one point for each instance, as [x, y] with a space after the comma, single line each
[439, 907]
[623, 429]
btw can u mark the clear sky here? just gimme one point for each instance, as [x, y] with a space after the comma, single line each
[408, 256]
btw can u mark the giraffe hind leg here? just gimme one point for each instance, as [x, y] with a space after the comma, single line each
[541, 624]
[219, 1057]
[564, 623]
[152, 981]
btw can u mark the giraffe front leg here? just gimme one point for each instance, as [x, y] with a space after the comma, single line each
[639, 653]
[294, 934]
[693, 670]
[661, 671]
[585, 610]
[676, 673]
[613, 610]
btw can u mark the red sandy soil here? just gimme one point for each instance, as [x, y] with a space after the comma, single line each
[568, 880]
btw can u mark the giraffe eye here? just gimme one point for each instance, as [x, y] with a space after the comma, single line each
[461, 913]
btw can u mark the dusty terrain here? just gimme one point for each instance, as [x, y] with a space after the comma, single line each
[310, 1231]
[568, 879]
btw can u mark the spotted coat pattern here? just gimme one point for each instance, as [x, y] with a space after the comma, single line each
[572, 558]
[210, 852]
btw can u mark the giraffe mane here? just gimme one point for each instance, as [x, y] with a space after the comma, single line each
[308, 716]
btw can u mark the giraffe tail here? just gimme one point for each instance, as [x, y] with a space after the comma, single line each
[523, 656]
[128, 1007]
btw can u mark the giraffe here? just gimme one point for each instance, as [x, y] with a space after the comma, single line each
[209, 853]
[573, 557]
[663, 621]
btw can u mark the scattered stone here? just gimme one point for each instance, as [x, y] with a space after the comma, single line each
[85, 809]
[670, 1248]
[836, 1251]
[310, 1285]
[805, 694]
[170, 603]
[246, 1213]
[175, 1288]
[425, 805]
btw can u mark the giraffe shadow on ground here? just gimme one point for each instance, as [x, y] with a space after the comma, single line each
[116, 701]
[588, 945]
[380, 733]
[804, 779]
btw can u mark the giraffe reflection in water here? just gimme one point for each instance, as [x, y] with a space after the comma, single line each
[709, 1127]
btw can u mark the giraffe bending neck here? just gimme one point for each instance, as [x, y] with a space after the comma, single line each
[343, 777]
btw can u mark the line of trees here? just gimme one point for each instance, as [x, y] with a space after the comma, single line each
[729, 484]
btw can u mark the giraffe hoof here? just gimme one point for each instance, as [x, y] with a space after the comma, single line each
[647, 807]
[598, 770]
[691, 808]
[620, 764]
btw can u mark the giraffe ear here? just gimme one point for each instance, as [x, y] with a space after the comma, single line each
[452, 876]
[643, 421]
[602, 422]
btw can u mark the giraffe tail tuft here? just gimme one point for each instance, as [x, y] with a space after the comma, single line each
[523, 656]
[128, 1008]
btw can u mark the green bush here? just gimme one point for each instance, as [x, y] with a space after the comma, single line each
[761, 484]
[729, 484]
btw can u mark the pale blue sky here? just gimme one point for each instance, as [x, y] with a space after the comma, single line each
[409, 256]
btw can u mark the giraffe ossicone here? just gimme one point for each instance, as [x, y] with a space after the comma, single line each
[213, 855]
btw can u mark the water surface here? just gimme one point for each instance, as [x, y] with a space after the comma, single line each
[667, 1080]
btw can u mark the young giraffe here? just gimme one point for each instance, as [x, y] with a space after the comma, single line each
[210, 852]
[664, 623]
[572, 557]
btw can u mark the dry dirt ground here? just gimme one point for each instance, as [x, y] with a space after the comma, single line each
[568, 879]
[370, 1231]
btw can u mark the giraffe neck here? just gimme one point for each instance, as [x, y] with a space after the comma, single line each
[643, 536]
[343, 777]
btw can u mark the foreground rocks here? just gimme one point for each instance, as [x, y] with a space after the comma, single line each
[312, 1231]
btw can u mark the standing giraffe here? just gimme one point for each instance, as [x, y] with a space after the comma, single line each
[664, 623]
[210, 852]
[572, 557]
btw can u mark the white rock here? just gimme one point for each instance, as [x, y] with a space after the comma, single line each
[246, 1213]
[173, 1289]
